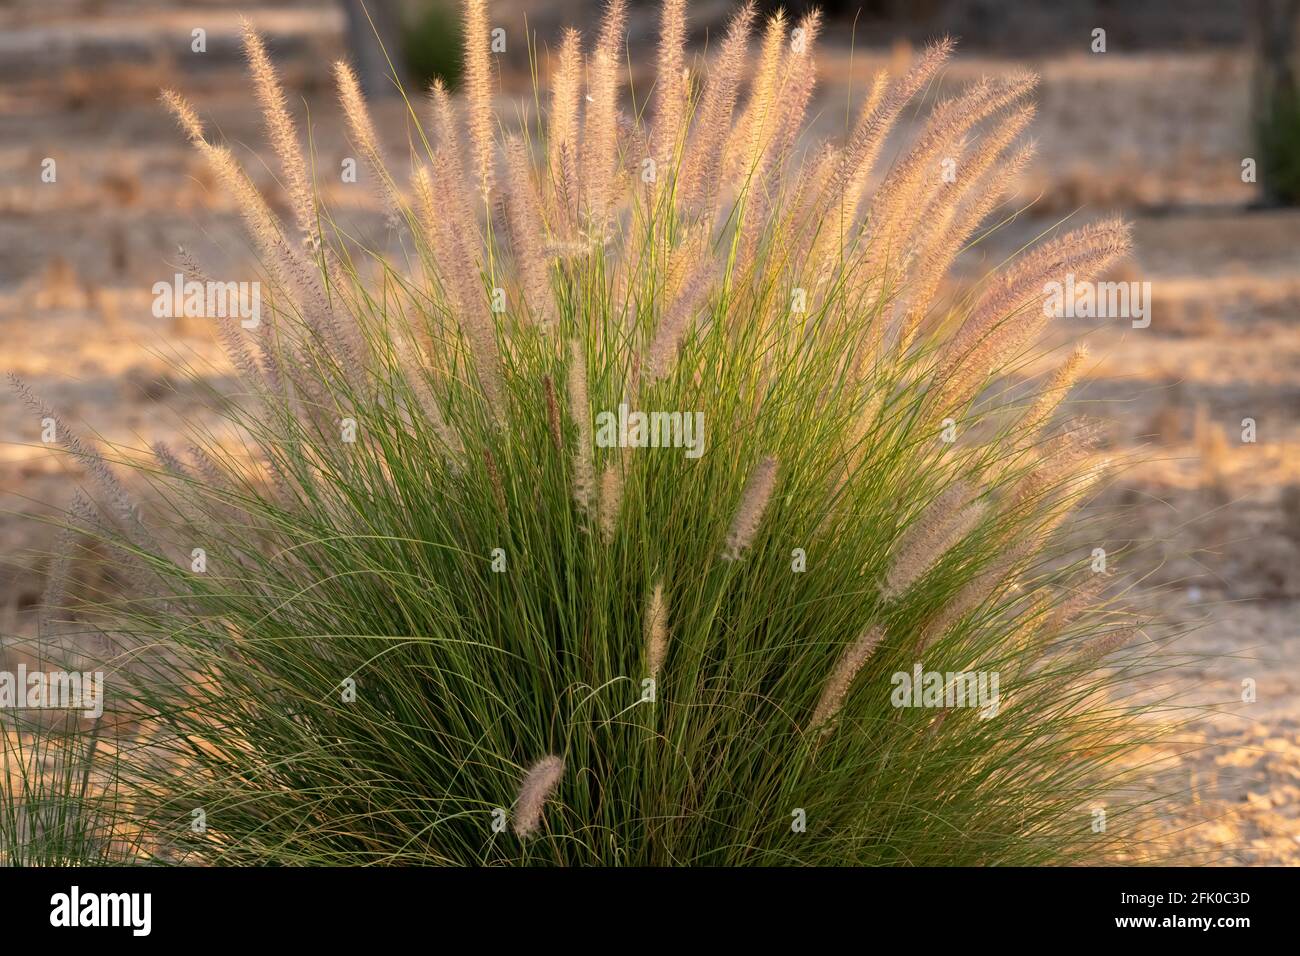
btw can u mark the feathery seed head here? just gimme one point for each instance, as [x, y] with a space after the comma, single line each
[1009, 315]
[124, 509]
[1052, 395]
[478, 91]
[1106, 644]
[611, 500]
[527, 234]
[676, 322]
[538, 786]
[753, 503]
[656, 631]
[282, 133]
[584, 479]
[944, 522]
[1069, 610]
[562, 125]
[185, 115]
[670, 92]
[702, 162]
[599, 147]
[840, 679]
[362, 128]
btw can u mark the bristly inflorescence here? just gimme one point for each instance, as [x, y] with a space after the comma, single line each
[715, 168]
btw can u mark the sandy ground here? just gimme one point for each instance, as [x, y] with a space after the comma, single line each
[1211, 522]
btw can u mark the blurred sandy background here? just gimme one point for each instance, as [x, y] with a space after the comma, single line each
[1156, 127]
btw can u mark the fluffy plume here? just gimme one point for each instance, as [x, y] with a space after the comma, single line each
[702, 163]
[228, 332]
[542, 779]
[1086, 252]
[871, 103]
[1076, 604]
[794, 94]
[841, 678]
[458, 275]
[562, 126]
[676, 321]
[185, 504]
[1106, 644]
[261, 222]
[366, 140]
[611, 500]
[1050, 398]
[913, 191]
[186, 116]
[264, 228]
[282, 132]
[756, 125]
[868, 138]
[613, 27]
[802, 226]
[214, 476]
[600, 132]
[1010, 314]
[527, 234]
[463, 287]
[753, 503]
[584, 479]
[670, 85]
[462, 284]
[451, 170]
[982, 588]
[772, 122]
[656, 631]
[168, 460]
[478, 90]
[1059, 468]
[941, 525]
[984, 177]
[87, 456]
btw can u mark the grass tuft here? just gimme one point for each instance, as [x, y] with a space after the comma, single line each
[423, 569]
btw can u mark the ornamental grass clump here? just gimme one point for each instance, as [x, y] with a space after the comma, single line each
[425, 614]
